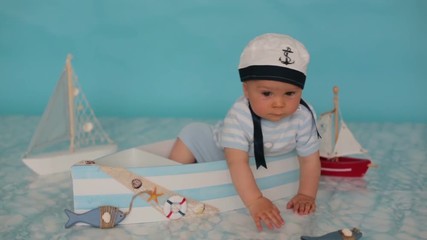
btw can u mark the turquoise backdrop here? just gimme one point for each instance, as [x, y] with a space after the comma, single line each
[169, 58]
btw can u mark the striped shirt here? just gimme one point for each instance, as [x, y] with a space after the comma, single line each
[296, 132]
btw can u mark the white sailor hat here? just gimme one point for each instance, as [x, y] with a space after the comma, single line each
[276, 57]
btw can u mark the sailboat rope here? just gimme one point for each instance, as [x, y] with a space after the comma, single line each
[133, 198]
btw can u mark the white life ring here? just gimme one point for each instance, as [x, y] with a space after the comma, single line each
[175, 207]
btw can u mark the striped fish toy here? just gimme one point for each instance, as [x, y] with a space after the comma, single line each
[344, 234]
[101, 217]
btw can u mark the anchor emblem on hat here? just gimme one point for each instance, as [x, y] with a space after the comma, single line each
[288, 60]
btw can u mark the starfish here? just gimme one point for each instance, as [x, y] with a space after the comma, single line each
[154, 195]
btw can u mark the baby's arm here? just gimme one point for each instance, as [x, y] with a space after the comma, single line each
[261, 208]
[305, 200]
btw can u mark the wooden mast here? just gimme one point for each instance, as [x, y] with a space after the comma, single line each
[336, 90]
[69, 70]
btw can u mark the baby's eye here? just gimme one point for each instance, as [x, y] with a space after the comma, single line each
[267, 93]
[290, 94]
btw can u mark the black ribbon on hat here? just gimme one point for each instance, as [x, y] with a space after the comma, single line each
[258, 140]
[258, 137]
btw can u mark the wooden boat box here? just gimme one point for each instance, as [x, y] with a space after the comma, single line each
[207, 183]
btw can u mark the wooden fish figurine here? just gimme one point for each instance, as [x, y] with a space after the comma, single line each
[344, 234]
[101, 217]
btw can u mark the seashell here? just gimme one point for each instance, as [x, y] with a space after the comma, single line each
[347, 232]
[106, 217]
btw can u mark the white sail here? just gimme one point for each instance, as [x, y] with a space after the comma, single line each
[53, 127]
[347, 143]
[68, 126]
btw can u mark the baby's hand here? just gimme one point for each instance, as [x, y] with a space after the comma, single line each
[302, 204]
[264, 210]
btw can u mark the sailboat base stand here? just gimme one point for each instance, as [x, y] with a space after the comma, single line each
[171, 190]
[346, 167]
[62, 161]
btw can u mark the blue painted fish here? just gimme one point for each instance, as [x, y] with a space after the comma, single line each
[344, 234]
[101, 217]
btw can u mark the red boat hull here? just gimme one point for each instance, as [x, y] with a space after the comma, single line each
[344, 167]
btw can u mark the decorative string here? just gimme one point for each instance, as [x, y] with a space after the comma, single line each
[133, 198]
[112, 211]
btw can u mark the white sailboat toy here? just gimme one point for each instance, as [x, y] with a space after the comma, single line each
[68, 131]
[341, 155]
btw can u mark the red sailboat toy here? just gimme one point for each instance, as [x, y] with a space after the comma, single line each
[338, 145]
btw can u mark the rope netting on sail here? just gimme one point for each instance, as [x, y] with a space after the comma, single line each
[68, 122]
[88, 130]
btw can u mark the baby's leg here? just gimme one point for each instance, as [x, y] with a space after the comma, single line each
[181, 153]
[195, 143]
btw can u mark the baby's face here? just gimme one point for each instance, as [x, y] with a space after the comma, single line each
[272, 100]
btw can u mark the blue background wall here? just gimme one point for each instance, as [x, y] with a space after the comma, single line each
[179, 58]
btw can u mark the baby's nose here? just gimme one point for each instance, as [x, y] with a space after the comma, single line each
[278, 102]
